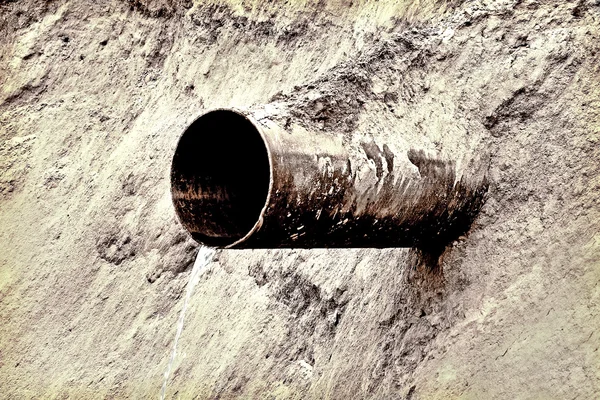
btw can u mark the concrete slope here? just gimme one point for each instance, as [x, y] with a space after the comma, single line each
[93, 264]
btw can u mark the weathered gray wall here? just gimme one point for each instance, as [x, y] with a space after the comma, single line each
[93, 264]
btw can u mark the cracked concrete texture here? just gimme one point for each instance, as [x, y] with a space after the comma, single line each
[94, 265]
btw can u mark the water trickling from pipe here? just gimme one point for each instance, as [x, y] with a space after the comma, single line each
[204, 256]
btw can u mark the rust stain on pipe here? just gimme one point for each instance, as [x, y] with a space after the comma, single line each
[242, 181]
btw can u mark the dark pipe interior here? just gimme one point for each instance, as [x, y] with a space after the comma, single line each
[220, 177]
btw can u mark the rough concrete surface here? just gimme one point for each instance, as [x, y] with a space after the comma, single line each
[93, 263]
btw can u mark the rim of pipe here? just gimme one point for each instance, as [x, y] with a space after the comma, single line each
[259, 220]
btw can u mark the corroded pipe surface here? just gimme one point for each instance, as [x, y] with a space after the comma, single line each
[239, 179]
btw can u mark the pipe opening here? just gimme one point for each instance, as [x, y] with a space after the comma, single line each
[220, 177]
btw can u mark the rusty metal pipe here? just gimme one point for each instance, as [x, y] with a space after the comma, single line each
[240, 179]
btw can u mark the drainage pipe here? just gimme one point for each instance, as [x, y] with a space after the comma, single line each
[240, 179]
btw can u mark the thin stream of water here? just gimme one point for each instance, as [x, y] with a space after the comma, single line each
[204, 256]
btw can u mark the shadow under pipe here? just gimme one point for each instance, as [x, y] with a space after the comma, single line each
[243, 180]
